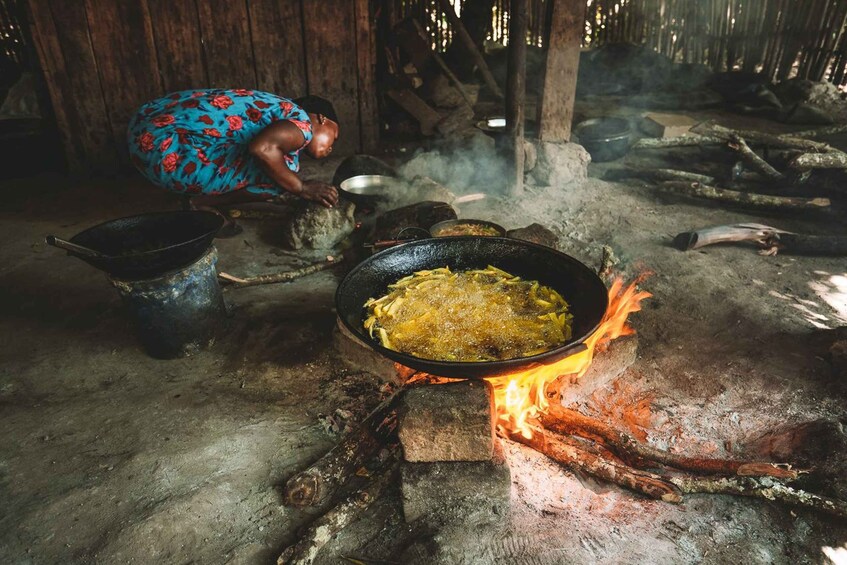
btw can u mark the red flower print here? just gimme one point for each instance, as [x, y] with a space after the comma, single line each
[189, 168]
[242, 92]
[190, 103]
[201, 156]
[305, 127]
[221, 101]
[241, 185]
[254, 114]
[235, 122]
[262, 105]
[165, 144]
[206, 119]
[198, 94]
[212, 131]
[286, 106]
[170, 105]
[145, 141]
[194, 188]
[174, 96]
[163, 120]
[223, 170]
[170, 162]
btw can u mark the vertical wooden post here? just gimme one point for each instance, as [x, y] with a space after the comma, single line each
[516, 90]
[555, 108]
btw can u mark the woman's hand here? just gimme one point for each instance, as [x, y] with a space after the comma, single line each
[320, 192]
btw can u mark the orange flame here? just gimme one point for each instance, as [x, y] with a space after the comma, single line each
[521, 396]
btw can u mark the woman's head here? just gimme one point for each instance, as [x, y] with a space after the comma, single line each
[324, 125]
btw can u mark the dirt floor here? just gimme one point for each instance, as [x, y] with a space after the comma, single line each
[109, 456]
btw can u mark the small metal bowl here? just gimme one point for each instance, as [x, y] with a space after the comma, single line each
[606, 139]
[436, 229]
[369, 189]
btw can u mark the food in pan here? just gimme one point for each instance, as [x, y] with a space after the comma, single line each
[476, 315]
[468, 229]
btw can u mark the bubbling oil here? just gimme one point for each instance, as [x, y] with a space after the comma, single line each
[477, 315]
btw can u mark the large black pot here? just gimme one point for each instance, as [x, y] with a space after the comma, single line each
[606, 139]
[148, 245]
[579, 285]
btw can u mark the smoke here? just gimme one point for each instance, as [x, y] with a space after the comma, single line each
[465, 165]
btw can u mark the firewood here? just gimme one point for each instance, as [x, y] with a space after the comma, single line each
[322, 530]
[660, 175]
[571, 454]
[819, 132]
[566, 420]
[810, 161]
[286, 276]
[753, 160]
[688, 140]
[316, 485]
[761, 487]
[747, 198]
[762, 138]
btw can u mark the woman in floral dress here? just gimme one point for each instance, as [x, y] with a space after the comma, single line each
[226, 146]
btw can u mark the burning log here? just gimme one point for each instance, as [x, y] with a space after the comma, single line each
[322, 530]
[761, 487]
[286, 276]
[753, 160]
[566, 420]
[748, 198]
[320, 481]
[571, 454]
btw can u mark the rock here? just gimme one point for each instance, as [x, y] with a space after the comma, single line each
[447, 422]
[421, 215]
[316, 227]
[805, 113]
[560, 164]
[481, 489]
[356, 165]
[535, 233]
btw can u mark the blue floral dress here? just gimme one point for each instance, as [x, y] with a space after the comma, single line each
[195, 141]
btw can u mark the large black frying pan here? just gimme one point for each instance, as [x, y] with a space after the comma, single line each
[147, 245]
[579, 285]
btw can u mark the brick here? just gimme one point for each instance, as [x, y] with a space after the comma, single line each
[479, 490]
[448, 422]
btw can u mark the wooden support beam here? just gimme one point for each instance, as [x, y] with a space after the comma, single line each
[465, 39]
[516, 91]
[555, 107]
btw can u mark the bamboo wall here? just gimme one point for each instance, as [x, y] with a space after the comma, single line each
[781, 38]
[103, 58]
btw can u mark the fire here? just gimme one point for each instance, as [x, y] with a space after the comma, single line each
[522, 396]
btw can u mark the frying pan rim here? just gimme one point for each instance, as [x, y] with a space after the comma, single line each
[475, 367]
[160, 249]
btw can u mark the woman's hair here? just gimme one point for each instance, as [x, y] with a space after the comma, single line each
[317, 105]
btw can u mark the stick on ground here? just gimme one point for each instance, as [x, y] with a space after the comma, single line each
[747, 198]
[286, 276]
[810, 161]
[688, 140]
[568, 421]
[767, 488]
[569, 453]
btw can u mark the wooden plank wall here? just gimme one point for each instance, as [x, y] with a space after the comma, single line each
[102, 59]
